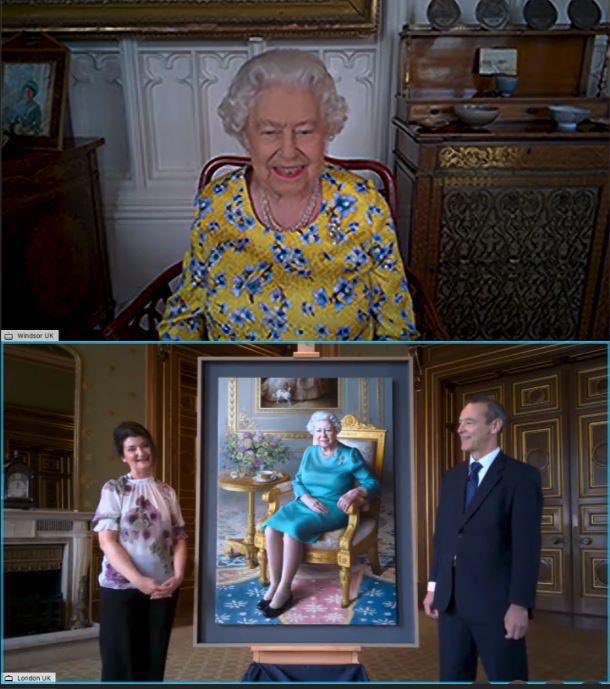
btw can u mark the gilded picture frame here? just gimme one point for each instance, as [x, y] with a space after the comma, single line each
[203, 18]
[208, 631]
[289, 395]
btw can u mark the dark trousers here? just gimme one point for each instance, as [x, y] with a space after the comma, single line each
[134, 635]
[462, 640]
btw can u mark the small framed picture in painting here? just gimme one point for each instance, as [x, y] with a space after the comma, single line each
[34, 86]
[294, 394]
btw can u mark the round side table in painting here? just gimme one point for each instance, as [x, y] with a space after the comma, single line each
[247, 484]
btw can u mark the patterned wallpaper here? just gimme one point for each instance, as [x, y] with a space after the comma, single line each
[113, 390]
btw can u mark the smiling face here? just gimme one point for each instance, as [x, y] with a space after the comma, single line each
[325, 435]
[286, 139]
[478, 436]
[138, 454]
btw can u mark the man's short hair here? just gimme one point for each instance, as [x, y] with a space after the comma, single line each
[494, 409]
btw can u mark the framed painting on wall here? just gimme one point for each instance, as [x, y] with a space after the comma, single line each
[204, 18]
[297, 394]
[34, 88]
[370, 601]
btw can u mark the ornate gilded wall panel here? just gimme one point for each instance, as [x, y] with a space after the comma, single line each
[52, 463]
[50, 493]
[523, 158]
[535, 395]
[592, 386]
[494, 391]
[594, 573]
[550, 575]
[593, 519]
[513, 261]
[552, 519]
[593, 455]
[538, 443]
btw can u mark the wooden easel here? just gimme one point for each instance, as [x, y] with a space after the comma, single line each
[298, 654]
[306, 655]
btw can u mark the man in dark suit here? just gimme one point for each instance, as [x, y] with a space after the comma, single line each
[487, 553]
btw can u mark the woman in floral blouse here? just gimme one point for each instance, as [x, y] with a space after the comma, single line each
[289, 247]
[143, 538]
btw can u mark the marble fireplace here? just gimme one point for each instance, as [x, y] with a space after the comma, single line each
[47, 556]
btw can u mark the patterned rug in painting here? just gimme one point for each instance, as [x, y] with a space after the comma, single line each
[316, 588]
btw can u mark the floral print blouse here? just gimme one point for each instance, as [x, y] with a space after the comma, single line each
[147, 516]
[341, 278]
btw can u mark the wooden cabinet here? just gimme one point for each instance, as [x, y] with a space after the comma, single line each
[55, 266]
[45, 442]
[507, 226]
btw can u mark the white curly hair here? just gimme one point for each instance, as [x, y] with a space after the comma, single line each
[293, 68]
[318, 416]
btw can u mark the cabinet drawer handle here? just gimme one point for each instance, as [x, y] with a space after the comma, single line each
[558, 540]
[585, 540]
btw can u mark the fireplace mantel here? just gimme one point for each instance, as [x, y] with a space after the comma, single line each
[38, 528]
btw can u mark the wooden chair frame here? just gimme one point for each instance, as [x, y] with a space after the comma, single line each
[348, 552]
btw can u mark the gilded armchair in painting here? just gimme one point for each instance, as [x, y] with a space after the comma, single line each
[343, 546]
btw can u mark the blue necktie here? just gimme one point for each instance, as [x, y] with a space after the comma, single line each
[473, 481]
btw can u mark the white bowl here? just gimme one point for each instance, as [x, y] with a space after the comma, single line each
[568, 116]
[477, 115]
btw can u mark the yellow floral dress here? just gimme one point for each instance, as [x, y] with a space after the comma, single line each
[340, 278]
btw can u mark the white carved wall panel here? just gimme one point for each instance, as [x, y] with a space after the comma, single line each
[354, 74]
[216, 71]
[97, 104]
[170, 113]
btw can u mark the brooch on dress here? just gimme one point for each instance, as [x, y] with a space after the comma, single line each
[334, 225]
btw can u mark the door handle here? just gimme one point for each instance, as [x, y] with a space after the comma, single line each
[558, 540]
[585, 540]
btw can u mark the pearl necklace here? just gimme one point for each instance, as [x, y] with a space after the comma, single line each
[306, 216]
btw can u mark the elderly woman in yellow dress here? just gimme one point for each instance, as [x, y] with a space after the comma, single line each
[289, 247]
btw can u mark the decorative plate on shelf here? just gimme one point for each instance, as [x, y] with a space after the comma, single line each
[492, 14]
[443, 14]
[540, 14]
[584, 14]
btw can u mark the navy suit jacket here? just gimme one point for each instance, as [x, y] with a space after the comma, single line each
[488, 556]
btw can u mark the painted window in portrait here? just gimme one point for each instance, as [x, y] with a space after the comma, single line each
[356, 562]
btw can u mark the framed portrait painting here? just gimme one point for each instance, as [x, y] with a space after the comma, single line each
[202, 18]
[296, 394]
[356, 578]
[34, 86]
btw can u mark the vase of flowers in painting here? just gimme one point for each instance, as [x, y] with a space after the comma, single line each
[249, 452]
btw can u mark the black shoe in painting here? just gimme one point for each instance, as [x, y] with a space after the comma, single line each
[270, 611]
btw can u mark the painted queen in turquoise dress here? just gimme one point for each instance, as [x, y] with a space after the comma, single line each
[327, 479]
[331, 478]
